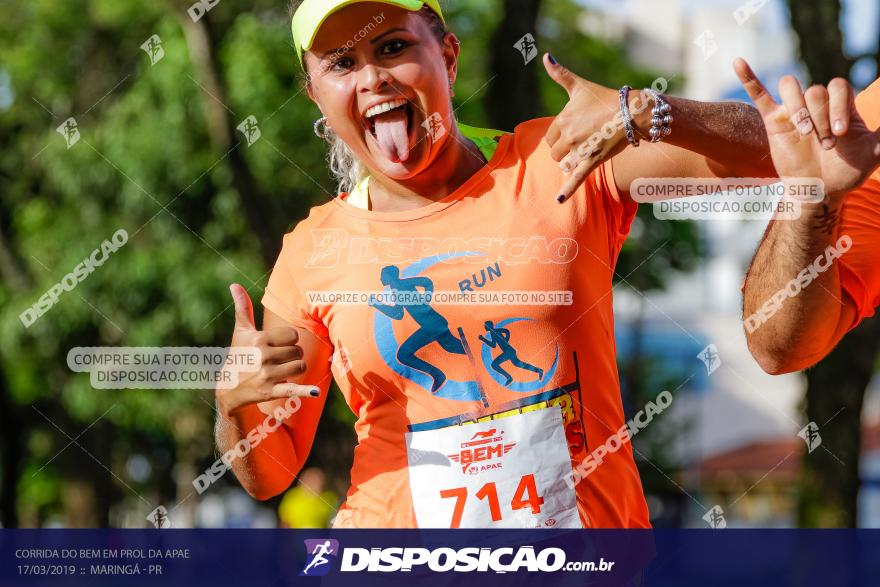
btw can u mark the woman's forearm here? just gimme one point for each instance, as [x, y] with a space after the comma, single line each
[269, 464]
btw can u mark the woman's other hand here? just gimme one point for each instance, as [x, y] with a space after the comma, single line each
[281, 358]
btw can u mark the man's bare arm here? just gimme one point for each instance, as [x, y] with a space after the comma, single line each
[709, 139]
[786, 333]
[795, 310]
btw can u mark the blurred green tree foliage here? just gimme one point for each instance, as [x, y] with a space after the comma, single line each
[159, 155]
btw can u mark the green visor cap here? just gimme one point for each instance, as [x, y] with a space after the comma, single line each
[311, 14]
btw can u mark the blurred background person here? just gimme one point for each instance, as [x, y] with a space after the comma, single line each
[308, 504]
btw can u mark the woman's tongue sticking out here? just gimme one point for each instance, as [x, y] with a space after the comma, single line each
[392, 136]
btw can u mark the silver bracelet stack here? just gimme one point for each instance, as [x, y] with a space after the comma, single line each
[631, 136]
[661, 117]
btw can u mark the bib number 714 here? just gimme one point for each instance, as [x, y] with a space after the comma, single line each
[526, 495]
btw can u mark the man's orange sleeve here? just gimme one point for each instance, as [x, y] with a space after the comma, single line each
[860, 220]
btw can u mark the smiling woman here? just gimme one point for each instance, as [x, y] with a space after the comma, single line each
[436, 237]
[343, 165]
[386, 98]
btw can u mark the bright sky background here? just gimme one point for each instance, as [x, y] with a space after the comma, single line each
[860, 22]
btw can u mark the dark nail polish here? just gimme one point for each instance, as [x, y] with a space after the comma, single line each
[314, 393]
[560, 198]
[552, 59]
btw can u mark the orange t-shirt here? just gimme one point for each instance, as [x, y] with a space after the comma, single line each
[404, 369]
[860, 219]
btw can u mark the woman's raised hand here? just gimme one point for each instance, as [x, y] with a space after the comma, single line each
[576, 137]
[281, 358]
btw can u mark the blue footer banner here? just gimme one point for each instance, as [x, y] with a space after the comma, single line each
[207, 558]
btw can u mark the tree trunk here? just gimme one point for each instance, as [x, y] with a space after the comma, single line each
[17, 279]
[829, 490]
[835, 391]
[513, 95]
[817, 25]
[11, 453]
[222, 130]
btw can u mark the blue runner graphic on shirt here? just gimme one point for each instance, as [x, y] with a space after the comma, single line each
[499, 337]
[433, 327]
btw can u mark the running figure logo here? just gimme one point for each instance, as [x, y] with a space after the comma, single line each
[434, 126]
[500, 337]
[432, 326]
[710, 358]
[153, 48]
[527, 47]
[330, 244]
[250, 130]
[70, 131]
[318, 551]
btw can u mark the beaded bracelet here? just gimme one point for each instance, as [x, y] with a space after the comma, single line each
[661, 117]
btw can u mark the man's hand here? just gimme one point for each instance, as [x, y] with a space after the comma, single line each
[576, 137]
[817, 133]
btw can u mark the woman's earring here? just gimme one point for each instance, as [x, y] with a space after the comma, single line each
[321, 129]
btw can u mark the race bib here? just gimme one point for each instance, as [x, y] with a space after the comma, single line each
[503, 473]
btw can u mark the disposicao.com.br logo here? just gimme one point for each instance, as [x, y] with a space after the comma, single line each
[318, 563]
[443, 559]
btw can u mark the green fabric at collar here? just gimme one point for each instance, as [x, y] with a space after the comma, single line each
[486, 139]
